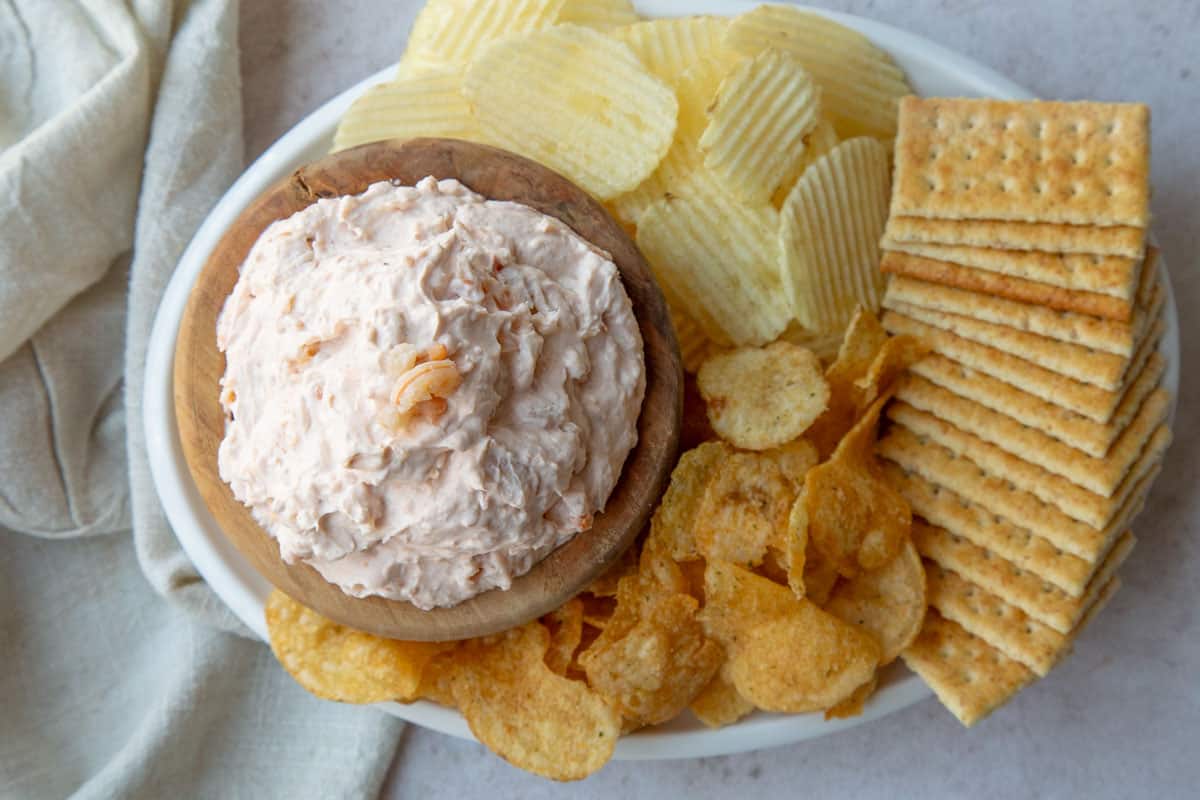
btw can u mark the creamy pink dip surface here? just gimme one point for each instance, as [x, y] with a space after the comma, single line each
[426, 392]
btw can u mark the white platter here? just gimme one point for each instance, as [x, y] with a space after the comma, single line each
[932, 70]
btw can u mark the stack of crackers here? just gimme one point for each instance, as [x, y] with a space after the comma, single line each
[1027, 441]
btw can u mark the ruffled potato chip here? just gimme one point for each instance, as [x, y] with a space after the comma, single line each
[757, 124]
[454, 32]
[759, 398]
[855, 517]
[521, 710]
[430, 103]
[820, 140]
[673, 520]
[744, 508]
[340, 663]
[669, 47]
[604, 15]
[888, 602]
[603, 120]
[803, 660]
[657, 667]
[719, 703]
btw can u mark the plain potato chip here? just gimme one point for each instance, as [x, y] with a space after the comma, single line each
[657, 667]
[669, 47]
[802, 660]
[831, 224]
[340, 663]
[853, 705]
[744, 508]
[603, 120]
[605, 585]
[597, 611]
[454, 32]
[437, 679]
[863, 340]
[521, 710]
[673, 520]
[735, 599]
[759, 398]
[598, 14]
[888, 602]
[819, 141]
[861, 85]
[820, 575]
[720, 258]
[856, 518]
[565, 624]
[796, 545]
[719, 703]
[893, 360]
[795, 459]
[427, 104]
[757, 124]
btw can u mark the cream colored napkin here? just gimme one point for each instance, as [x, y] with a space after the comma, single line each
[120, 126]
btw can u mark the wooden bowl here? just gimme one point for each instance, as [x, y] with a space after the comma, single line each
[498, 175]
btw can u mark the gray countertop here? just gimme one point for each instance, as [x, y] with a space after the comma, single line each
[1121, 717]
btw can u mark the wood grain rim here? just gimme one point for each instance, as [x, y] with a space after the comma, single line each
[499, 175]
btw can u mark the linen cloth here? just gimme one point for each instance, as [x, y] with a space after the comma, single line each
[123, 675]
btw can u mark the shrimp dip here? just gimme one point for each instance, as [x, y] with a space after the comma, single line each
[426, 392]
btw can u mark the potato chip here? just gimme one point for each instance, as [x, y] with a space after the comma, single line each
[893, 360]
[669, 47]
[605, 585]
[861, 85]
[819, 141]
[803, 660]
[676, 514]
[719, 703]
[864, 339]
[831, 223]
[765, 397]
[820, 575]
[720, 257]
[824, 345]
[683, 164]
[599, 14]
[597, 611]
[853, 705]
[603, 120]
[888, 602]
[521, 710]
[428, 104]
[795, 459]
[744, 508]
[796, 545]
[856, 518]
[340, 663]
[758, 122]
[735, 599]
[565, 624]
[774, 564]
[657, 572]
[437, 679]
[456, 31]
[652, 672]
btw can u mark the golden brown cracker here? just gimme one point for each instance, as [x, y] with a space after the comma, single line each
[1006, 286]
[1097, 333]
[1093, 438]
[1083, 364]
[1026, 590]
[1045, 237]
[970, 677]
[1086, 272]
[1074, 163]
[1098, 475]
[1085, 399]
[944, 468]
